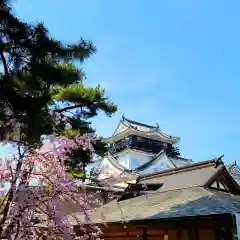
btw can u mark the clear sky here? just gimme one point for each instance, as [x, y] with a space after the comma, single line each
[175, 62]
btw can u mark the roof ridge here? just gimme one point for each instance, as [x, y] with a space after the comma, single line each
[138, 123]
[190, 167]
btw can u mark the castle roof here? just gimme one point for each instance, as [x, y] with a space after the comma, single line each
[198, 174]
[109, 164]
[201, 198]
[128, 127]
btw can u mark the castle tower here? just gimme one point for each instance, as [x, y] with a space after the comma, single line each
[137, 149]
[134, 144]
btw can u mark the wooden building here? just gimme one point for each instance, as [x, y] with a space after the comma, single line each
[194, 202]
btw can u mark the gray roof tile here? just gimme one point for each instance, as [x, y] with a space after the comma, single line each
[192, 201]
[183, 178]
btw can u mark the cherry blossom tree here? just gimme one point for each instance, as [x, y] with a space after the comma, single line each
[28, 212]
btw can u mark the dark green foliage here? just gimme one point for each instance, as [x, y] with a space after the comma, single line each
[39, 80]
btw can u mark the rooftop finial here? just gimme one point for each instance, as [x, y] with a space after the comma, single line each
[218, 161]
[220, 158]
[123, 117]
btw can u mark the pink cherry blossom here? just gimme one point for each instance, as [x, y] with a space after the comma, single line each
[29, 211]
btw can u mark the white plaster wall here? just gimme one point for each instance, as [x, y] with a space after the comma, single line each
[107, 169]
[133, 159]
[124, 160]
[162, 164]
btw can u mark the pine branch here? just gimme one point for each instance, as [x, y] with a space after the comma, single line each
[69, 108]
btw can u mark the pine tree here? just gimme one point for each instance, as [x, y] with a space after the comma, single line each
[41, 90]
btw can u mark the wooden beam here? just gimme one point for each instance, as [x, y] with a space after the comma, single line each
[190, 234]
[145, 234]
[204, 221]
[179, 234]
[196, 233]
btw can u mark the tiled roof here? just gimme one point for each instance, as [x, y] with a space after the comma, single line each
[187, 176]
[195, 201]
[124, 119]
[233, 168]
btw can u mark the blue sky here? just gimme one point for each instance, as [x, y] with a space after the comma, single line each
[174, 62]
